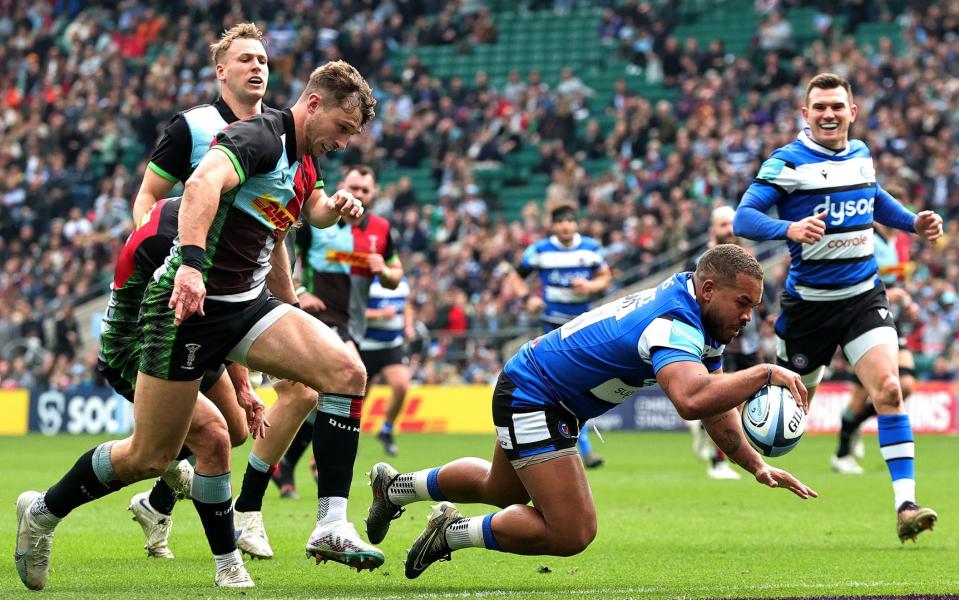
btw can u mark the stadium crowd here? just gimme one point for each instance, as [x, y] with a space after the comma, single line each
[87, 88]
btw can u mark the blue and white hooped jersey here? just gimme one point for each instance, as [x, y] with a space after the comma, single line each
[604, 356]
[803, 179]
[558, 265]
[386, 333]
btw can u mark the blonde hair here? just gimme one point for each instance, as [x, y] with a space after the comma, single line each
[241, 31]
[341, 85]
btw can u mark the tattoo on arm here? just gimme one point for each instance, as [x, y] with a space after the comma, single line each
[731, 441]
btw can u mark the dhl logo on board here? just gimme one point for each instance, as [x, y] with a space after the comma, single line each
[346, 257]
[428, 408]
[274, 212]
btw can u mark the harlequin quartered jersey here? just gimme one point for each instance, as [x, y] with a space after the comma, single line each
[805, 178]
[274, 185]
[602, 357]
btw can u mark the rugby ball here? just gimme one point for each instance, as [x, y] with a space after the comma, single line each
[773, 422]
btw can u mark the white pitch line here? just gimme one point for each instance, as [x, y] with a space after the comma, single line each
[598, 592]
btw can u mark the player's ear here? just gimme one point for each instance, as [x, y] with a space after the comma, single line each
[709, 289]
[853, 111]
[314, 102]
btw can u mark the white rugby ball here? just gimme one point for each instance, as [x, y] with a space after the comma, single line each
[773, 422]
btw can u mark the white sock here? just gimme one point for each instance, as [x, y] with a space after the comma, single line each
[225, 561]
[41, 515]
[466, 533]
[410, 487]
[330, 509]
[905, 491]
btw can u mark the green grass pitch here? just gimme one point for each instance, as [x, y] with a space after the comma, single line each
[665, 530]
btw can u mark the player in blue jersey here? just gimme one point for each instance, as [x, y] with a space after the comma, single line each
[571, 271]
[244, 195]
[824, 188]
[672, 335]
[390, 319]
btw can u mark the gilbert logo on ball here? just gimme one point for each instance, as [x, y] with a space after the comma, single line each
[773, 422]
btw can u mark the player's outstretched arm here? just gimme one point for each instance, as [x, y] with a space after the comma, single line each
[698, 395]
[727, 431]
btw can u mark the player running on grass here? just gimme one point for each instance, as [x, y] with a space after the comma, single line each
[824, 188]
[235, 204]
[672, 335]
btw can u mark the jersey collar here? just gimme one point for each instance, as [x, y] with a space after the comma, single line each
[806, 138]
[225, 111]
[690, 286]
[577, 239]
[289, 127]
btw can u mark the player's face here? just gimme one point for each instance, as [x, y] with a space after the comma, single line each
[729, 308]
[330, 128]
[829, 115]
[565, 228]
[363, 187]
[722, 229]
[243, 72]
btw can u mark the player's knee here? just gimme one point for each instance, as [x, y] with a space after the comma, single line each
[576, 537]
[907, 384]
[890, 392]
[354, 377]
[239, 434]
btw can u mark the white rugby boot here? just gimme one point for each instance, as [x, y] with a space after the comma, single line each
[34, 544]
[338, 541]
[156, 525]
[251, 534]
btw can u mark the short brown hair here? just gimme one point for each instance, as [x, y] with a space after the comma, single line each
[241, 31]
[828, 81]
[724, 262]
[363, 170]
[341, 85]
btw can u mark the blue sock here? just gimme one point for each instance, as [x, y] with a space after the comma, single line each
[386, 428]
[898, 450]
[433, 485]
[583, 443]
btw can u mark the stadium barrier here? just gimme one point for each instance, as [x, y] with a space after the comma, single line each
[933, 408]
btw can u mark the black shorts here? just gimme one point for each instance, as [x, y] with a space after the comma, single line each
[200, 343]
[811, 331]
[531, 433]
[125, 388]
[737, 361]
[377, 360]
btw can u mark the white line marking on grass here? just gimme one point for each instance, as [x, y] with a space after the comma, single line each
[598, 592]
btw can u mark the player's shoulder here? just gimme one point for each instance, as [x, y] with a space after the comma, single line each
[677, 299]
[377, 221]
[859, 149]
[588, 243]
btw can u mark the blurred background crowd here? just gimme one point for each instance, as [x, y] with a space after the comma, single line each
[643, 114]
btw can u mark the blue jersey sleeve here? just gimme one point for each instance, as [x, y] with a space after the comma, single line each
[713, 364]
[888, 211]
[529, 262]
[751, 220]
[661, 357]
